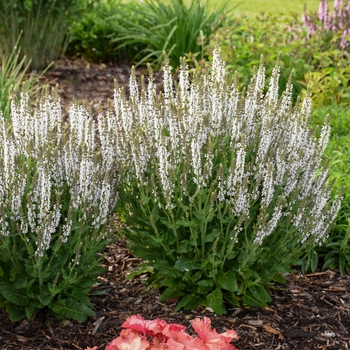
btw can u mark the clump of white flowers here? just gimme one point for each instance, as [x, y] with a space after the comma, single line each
[53, 176]
[254, 146]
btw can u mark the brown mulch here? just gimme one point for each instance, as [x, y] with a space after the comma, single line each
[308, 312]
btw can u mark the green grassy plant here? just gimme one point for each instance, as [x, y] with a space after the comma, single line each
[13, 78]
[45, 25]
[57, 194]
[222, 191]
[173, 27]
[92, 33]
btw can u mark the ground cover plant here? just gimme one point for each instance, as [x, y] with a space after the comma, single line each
[57, 195]
[213, 207]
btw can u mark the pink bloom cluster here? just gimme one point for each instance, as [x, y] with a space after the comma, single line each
[339, 21]
[141, 334]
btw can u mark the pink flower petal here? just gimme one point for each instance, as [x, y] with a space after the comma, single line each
[138, 323]
[212, 339]
[179, 339]
[129, 340]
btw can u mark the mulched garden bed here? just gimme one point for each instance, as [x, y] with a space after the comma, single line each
[309, 312]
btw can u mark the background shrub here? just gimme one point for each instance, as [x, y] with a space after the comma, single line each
[173, 27]
[93, 33]
[45, 27]
[316, 62]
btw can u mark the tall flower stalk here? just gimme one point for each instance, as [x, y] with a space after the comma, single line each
[223, 190]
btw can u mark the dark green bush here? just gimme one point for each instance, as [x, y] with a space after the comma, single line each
[92, 33]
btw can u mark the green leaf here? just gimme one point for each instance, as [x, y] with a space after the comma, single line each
[186, 264]
[313, 261]
[232, 299]
[171, 293]
[188, 302]
[279, 278]
[231, 255]
[204, 286]
[70, 308]
[15, 296]
[30, 312]
[162, 266]
[256, 295]
[184, 247]
[45, 298]
[15, 313]
[227, 281]
[169, 225]
[210, 237]
[214, 301]
[20, 282]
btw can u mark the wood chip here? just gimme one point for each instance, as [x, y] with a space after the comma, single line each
[272, 330]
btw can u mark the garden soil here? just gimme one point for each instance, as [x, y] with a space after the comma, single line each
[309, 312]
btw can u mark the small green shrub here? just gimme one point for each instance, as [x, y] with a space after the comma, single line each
[222, 191]
[172, 27]
[45, 27]
[57, 194]
[92, 33]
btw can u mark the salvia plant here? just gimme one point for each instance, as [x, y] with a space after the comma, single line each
[222, 190]
[323, 21]
[57, 191]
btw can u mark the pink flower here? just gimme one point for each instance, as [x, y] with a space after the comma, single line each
[138, 323]
[211, 338]
[164, 336]
[178, 339]
[129, 340]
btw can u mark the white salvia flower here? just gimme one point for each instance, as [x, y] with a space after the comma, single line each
[268, 186]
[183, 132]
[272, 93]
[196, 162]
[218, 72]
[184, 85]
[18, 188]
[270, 226]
